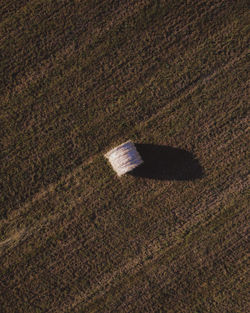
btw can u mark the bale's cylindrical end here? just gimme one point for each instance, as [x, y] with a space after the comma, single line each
[124, 158]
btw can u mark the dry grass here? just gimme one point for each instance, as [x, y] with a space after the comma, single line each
[171, 237]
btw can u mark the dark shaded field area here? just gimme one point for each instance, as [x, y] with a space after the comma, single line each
[80, 77]
[166, 163]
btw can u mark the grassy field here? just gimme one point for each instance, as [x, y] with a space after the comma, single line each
[79, 77]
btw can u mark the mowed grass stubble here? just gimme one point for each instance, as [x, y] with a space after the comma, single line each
[78, 79]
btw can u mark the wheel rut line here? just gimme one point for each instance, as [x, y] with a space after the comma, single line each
[51, 219]
[38, 74]
[194, 86]
[154, 243]
[152, 249]
[220, 254]
[199, 265]
[43, 68]
[189, 90]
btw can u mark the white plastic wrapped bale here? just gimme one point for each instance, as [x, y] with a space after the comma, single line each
[124, 158]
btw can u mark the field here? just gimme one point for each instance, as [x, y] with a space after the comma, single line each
[77, 79]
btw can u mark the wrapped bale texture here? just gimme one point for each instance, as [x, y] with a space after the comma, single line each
[124, 158]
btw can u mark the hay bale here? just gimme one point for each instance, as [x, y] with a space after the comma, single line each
[124, 158]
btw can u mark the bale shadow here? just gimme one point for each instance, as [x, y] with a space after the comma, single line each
[167, 163]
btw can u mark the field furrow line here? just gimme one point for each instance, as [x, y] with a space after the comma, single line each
[188, 91]
[81, 78]
[152, 250]
[45, 66]
[161, 279]
[56, 218]
[227, 250]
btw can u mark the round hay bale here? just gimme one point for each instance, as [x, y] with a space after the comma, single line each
[124, 158]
